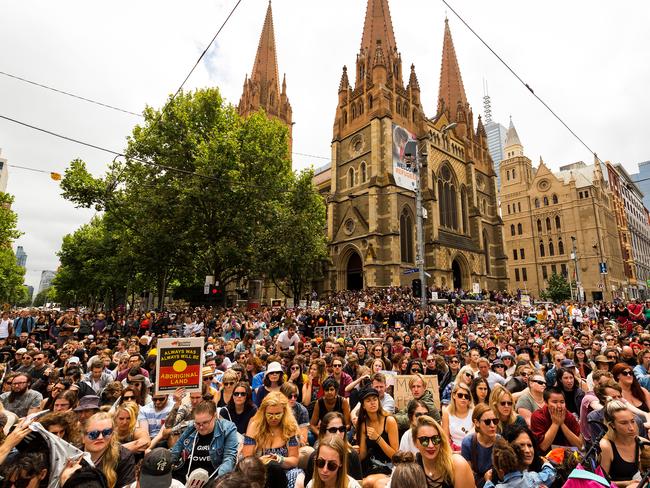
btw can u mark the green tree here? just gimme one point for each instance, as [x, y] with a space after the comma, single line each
[558, 288]
[196, 193]
[11, 275]
[295, 248]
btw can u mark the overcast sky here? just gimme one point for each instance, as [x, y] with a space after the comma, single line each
[587, 59]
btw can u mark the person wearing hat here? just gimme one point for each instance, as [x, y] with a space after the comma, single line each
[207, 375]
[156, 471]
[273, 379]
[603, 363]
[499, 368]
[88, 406]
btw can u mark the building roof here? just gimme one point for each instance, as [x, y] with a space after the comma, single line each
[580, 172]
[512, 138]
[265, 69]
[378, 27]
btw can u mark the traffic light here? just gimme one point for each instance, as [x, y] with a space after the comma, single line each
[417, 288]
[215, 292]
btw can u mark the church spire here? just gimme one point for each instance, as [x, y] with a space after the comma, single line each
[513, 144]
[262, 88]
[451, 95]
[378, 27]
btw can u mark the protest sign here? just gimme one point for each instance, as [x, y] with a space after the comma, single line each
[402, 393]
[178, 364]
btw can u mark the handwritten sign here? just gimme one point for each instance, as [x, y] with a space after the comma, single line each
[178, 364]
[402, 392]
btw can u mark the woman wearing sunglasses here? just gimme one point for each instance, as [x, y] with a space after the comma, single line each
[457, 416]
[465, 375]
[633, 392]
[415, 410]
[241, 408]
[331, 465]
[503, 405]
[477, 447]
[532, 398]
[115, 461]
[224, 394]
[333, 425]
[442, 468]
[272, 435]
[299, 410]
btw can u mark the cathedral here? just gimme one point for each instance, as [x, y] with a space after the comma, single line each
[380, 127]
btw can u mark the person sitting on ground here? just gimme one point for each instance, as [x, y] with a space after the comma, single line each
[508, 465]
[331, 465]
[553, 424]
[477, 447]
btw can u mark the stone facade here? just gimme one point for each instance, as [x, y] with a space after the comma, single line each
[545, 214]
[371, 212]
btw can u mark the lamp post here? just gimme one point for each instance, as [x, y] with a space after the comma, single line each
[416, 161]
[574, 256]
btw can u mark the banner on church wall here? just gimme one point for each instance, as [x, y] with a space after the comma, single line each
[404, 143]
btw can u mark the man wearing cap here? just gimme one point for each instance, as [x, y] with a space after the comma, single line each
[17, 361]
[156, 471]
[21, 400]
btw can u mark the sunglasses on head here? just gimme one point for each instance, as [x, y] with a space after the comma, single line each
[334, 430]
[433, 439]
[93, 435]
[331, 465]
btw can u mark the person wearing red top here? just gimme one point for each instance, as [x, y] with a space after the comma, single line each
[553, 424]
[636, 311]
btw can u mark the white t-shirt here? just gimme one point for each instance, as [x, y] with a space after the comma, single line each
[407, 444]
[285, 341]
[352, 483]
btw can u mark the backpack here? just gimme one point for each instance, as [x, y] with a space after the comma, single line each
[581, 478]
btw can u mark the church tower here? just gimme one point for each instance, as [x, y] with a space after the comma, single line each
[516, 169]
[262, 89]
[379, 127]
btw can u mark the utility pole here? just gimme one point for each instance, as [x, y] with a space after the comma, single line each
[574, 256]
[416, 160]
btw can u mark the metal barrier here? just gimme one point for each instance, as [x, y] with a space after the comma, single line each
[344, 330]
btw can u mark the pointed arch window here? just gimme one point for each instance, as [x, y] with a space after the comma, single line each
[537, 203]
[354, 111]
[551, 248]
[512, 229]
[414, 115]
[447, 198]
[370, 102]
[546, 201]
[398, 108]
[520, 229]
[360, 107]
[539, 225]
[557, 222]
[548, 224]
[486, 252]
[513, 173]
[364, 172]
[345, 117]
[351, 177]
[406, 236]
[362, 71]
[541, 249]
[463, 203]
[405, 110]
[560, 247]
[554, 199]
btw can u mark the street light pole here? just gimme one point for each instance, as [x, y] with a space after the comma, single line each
[419, 228]
[574, 256]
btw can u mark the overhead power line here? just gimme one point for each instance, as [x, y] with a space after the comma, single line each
[70, 94]
[528, 87]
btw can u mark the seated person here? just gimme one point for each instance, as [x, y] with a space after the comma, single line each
[553, 424]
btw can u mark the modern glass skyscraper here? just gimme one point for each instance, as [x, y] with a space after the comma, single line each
[644, 186]
[496, 138]
[21, 257]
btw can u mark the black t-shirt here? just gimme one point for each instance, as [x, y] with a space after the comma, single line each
[200, 457]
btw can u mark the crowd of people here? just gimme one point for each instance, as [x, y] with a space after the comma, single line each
[494, 393]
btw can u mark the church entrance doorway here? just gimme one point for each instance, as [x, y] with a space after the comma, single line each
[457, 275]
[354, 272]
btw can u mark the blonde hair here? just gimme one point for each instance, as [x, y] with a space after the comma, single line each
[496, 396]
[442, 464]
[133, 409]
[611, 409]
[111, 456]
[461, 374]
[452, 404]
[229, 375]
[263, 435]
[336, 443]
[414, 378]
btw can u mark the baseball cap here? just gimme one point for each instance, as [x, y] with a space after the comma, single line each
[567, 363]
[156, 470]
[22, 350]
[73, 360]
[89, 402]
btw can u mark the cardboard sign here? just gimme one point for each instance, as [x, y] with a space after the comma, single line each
[525, 301]
[402, 392]
[178, 364]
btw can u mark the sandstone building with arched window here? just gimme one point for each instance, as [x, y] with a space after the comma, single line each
[370, 215]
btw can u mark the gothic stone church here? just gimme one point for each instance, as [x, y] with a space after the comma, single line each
[369, 186]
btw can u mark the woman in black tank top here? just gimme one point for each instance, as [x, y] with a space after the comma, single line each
[330, 402]
[620, 446]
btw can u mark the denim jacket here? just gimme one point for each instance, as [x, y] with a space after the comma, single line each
[223, 448]
[526, 479]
